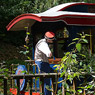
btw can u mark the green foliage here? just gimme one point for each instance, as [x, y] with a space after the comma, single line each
[3, 71]
[77, 64]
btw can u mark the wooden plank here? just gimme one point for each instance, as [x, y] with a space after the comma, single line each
[29, 76]
[29, 61]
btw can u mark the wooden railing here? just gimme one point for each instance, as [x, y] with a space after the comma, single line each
[30, 77]
[41, 76]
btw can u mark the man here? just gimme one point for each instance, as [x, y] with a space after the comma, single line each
[42, 53]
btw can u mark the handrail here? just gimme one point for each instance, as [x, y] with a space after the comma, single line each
[29, 77]
[41, 77]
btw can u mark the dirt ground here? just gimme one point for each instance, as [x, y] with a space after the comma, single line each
[8, 52]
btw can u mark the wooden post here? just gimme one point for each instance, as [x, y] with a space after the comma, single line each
[42, 85]
[18, 86]
[54, 85]
[5, 86]
[35, 79]
[30, 85]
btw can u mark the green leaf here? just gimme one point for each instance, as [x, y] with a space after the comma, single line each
[75, 39]
[80, 91]
[79, 34]
[82, 55]
[62, 74]
[69, 76]
[80, 63]
[28, 33]
[26, 27]
[87, 35]
[74, 55]
[67, 53]
[23, 71]
[75, 74]
[62, 66]
[83, 37]
[71, 43]
[89, 86]
[85, 40]
[67, 93]
[64, 58]
[78, 47]
[65, 67]
[55, 66]
[29, 58]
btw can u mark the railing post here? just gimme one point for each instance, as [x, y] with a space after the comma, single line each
[35, 80]
[42, 85]
[54, 85]
[18, 86]
[5, 86]
[30, 85]
[12, 83]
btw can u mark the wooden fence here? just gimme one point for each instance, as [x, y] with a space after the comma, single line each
[54, 77]
[30, 77]
[41, 76]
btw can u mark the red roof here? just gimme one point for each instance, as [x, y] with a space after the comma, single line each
[54, 14]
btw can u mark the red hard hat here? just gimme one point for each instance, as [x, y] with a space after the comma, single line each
[50, 35]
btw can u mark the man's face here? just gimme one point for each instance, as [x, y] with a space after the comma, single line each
[49, 41]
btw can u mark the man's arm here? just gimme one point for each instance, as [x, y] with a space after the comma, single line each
[45, 49]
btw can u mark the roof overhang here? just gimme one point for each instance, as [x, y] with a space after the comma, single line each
[53, 15]
[22, 21]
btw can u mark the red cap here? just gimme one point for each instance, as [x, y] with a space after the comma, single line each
[49, 35]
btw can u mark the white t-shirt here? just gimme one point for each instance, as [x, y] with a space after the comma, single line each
[42, 51]
[45, 48]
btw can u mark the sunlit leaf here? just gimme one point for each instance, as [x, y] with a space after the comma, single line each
[64, 58]
[74, 55]
[86, 41]
[83, 37]
[26, 27]
[79, 90]
[67, 93]
[67, 53]
[82, 55]
[62, 74]
[80, 63]
[75, 39]
[28, 33]
[71, 43]
[78, 46]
